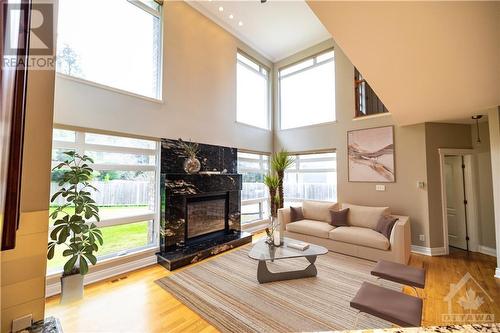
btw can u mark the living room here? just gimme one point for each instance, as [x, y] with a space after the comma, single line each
[191, 109]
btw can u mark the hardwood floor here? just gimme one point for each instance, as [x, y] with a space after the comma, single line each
[134, 303]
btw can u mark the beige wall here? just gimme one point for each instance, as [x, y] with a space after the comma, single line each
[403, 196]
[494, 129]
[437, 136]
[23, 269]
[413, 54]
[484, 190]
[199, 90]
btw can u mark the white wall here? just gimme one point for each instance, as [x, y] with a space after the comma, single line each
[199, 90]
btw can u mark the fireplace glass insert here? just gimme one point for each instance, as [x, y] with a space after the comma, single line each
[205, 215]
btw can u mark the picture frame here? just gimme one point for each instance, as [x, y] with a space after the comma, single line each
[371, 155]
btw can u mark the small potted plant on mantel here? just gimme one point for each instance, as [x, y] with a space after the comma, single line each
[73, 229]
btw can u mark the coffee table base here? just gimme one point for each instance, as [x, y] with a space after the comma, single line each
[264, 275]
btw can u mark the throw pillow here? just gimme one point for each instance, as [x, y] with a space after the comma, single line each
[296, 214]
[385, 225]
[339, 218]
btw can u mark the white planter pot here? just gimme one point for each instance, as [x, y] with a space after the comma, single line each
[71, 288]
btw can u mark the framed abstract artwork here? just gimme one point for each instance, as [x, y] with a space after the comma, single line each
[371, 155]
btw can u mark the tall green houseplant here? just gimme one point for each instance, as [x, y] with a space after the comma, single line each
[73, 229]
[281, 161]
[272, 182]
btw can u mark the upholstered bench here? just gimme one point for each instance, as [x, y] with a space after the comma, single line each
[399, 273]
[393, 306]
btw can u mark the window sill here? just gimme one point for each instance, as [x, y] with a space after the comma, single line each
[255, 226]
[107, 261]
[378, 115]
[308, 126]
[109, 88]
[253, 126]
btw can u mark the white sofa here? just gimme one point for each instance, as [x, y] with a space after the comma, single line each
[359, 239]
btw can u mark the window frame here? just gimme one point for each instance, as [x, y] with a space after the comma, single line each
[265, 171]
[159, 93]
[80, 146]
[315, 64]
[268, 88]
[297, 170]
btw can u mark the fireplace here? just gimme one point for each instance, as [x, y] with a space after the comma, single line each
[205, 215]
[201, 212]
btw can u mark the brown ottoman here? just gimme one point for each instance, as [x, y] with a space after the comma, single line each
[391, 271]
[390, 305]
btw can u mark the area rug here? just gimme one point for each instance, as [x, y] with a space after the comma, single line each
[225, 292]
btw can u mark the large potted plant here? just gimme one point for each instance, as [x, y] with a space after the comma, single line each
[281, 161]
[73, 227]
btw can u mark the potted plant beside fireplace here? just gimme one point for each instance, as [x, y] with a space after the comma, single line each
[74, 229]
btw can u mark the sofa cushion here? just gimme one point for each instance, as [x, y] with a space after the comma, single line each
[339, 218]
[365, 216]
[311, 228]
[385, 225]
[360, 236]
[318, 210]
[296, 214]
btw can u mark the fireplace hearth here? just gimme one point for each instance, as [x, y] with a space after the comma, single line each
[200, 213]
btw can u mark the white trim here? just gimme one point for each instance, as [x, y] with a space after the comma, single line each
[371, 116]
[428, 251]
[106, 87]
[472, 220]
[487, 250]
[497, 273]
[55, 288]
[255, 226]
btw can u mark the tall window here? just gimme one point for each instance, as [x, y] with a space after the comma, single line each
[252, 92]
[254, 196]
[116, 43]
[307, 92]
[125, 176]
[312, 177]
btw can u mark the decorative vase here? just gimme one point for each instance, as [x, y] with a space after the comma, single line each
[276, 238]
[192, 165]
[71, 288]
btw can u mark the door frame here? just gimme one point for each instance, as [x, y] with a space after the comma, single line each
[470, 194]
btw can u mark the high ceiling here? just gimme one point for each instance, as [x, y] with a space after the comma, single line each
[427, 61]
[276, 29]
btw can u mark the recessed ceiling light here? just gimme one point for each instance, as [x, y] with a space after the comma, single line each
[231, 16]
[240, 23]
[221, 9]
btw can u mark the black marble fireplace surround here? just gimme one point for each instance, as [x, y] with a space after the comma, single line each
[186, 198]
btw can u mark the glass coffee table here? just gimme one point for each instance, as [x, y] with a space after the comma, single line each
[263, 252]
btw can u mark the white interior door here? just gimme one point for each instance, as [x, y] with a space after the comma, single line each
[457, 232]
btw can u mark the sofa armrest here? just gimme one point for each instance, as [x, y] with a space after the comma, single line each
[401, 238]
[283, 218]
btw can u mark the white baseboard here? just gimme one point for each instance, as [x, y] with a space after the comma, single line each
[428, 251]
[55, 288]
[497, 273]
[487, 250]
